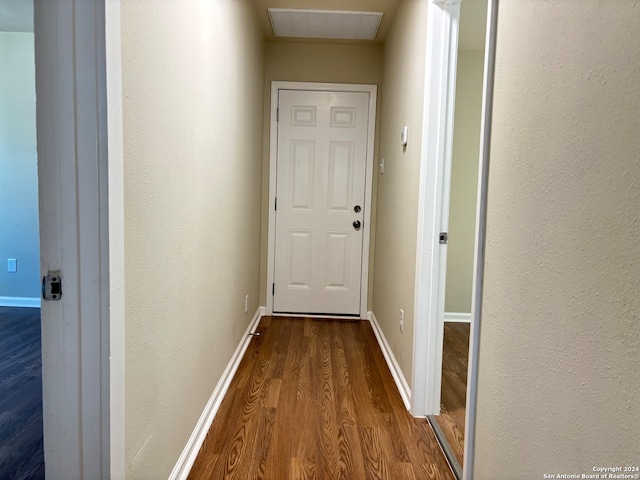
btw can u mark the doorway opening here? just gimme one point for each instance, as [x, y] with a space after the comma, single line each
[450, 423]
[448, 296]
[21, 413]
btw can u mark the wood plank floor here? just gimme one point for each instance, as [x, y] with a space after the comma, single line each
[454, 385]
[21, 447]
[315, 399]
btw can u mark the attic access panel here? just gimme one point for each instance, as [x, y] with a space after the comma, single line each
[330, 24]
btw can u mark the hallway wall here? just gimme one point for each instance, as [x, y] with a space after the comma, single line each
[397, 200]
[320, 63]
[558, 371]
[193, 76]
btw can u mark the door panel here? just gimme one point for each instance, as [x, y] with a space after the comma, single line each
[299, 260]
[337, 265]
[302, 175]
[321, 165]
[340, 177]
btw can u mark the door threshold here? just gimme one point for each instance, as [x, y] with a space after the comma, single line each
[332, 316]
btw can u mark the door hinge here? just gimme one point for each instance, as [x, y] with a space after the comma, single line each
[273, 289]
[277, 114]
[52, 286]
[276, 204]
[444, 238]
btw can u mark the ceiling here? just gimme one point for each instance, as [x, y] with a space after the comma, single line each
[16, 15]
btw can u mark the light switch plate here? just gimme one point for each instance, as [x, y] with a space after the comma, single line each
[12, 265]
[404, 136]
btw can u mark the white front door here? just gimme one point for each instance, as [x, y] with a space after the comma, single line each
[320, 200]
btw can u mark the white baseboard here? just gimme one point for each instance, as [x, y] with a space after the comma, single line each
[20, 302]
[396, 372]
[190, 452]
[457, 317]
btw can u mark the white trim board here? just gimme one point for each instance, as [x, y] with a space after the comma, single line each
[115, 241]
[479, 254]
[396, 372]
[457, 317]
[433, 205]
[372, 90]
[73, 184]
[191, 449]
[30, 302]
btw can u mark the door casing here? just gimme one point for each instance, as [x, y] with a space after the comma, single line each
[73, 188]
[433, 206]
[372, 90]
[438, 115]
[481, 234]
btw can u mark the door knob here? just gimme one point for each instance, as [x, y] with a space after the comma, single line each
[357, 209]
[357, 224]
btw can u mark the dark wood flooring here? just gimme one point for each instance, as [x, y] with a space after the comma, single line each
[454, 385]
[315, 399]
[21, 447]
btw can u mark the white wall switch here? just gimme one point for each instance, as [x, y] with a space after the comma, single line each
[12, 265]
[404, 136]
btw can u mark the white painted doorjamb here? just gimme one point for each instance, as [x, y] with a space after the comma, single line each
[73, 206]
[433, 214]
[481, 228]
[116, 237]
[273, 161]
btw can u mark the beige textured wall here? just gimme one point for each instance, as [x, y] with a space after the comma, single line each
[464, 181]
[321, 63]
[397, 202]
[192, 98]
[560, 347]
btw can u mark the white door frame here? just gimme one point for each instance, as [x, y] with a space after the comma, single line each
[115, 212]
[437, 141]
[433, 213]
[372, 90]
[481, 229]
[78, 354]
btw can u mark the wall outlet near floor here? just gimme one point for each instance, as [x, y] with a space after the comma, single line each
[12, 265]
[246, 303]
[401, 320]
